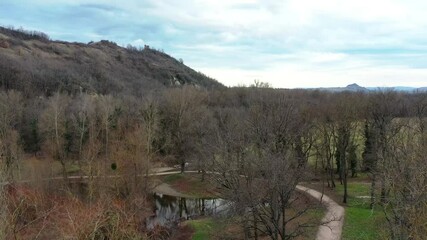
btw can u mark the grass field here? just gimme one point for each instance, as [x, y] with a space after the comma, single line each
[361, 222]
[203, 228]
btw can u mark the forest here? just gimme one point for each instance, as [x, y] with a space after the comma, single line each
[84, 129]
[260, 143]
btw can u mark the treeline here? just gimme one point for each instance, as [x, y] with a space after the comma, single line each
[262, 142]
[24, 34]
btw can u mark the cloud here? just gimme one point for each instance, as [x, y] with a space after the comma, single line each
[138, 42]
[289, 43]
[292, 76]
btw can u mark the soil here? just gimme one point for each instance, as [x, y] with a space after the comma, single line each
[167, 189]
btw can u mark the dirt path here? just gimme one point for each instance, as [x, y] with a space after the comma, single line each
[166, 189]
[162, 169]
[332, 222]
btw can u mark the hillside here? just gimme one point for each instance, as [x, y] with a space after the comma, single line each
[32, 63]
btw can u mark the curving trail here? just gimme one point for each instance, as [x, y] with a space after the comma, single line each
[332, 222]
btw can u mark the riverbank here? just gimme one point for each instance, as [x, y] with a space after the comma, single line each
[189, 185]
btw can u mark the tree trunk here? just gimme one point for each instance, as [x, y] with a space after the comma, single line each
[331, 173]
[383, 191]
[345, 188]
[344, 177]
[255, 226]
[182, 167]
[246, 229]
[373, 183]
[203, 175]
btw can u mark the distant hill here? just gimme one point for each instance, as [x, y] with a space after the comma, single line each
[349, 88]
[32, 63]
[398, 88]
[356, 88]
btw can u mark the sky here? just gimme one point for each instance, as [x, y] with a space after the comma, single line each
[287, 43]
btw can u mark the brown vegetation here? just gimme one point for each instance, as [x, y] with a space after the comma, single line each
[42, 215]
[4, 43]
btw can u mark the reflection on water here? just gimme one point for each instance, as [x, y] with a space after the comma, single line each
[170, 210]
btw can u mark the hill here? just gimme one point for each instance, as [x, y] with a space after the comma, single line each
[349, 88]
[32, 63]
[399, 89]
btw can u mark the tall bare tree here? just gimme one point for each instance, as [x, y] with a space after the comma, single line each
[179, 109]
[53, 127]
[107, 109]
[383, 109]
[405, 176]
[261, 171]
[11, 106]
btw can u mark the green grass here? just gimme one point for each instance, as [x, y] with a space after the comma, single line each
[202, 228]
[72, 168]
[361, 222]
[356, 189]
[172, 178]
[191, 184]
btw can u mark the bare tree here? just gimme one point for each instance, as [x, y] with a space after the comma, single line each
[149, 117]
[406, 197]
[347, 125]
[325, 145]
[179, 110]
[53, 127]
[383, 108]
[261, 162]
[10, 113]
[86, 119]
[107, 110]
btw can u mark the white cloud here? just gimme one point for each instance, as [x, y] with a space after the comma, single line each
[290, 43]
[138, 42]
[291, 76]
[322, 57]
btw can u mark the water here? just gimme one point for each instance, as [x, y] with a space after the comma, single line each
[171, 210]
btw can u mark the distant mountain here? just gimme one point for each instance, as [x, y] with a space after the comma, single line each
[356, 88]
[349, 88]
[32, 63]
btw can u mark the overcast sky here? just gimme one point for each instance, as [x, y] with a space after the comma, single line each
[288, 43]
